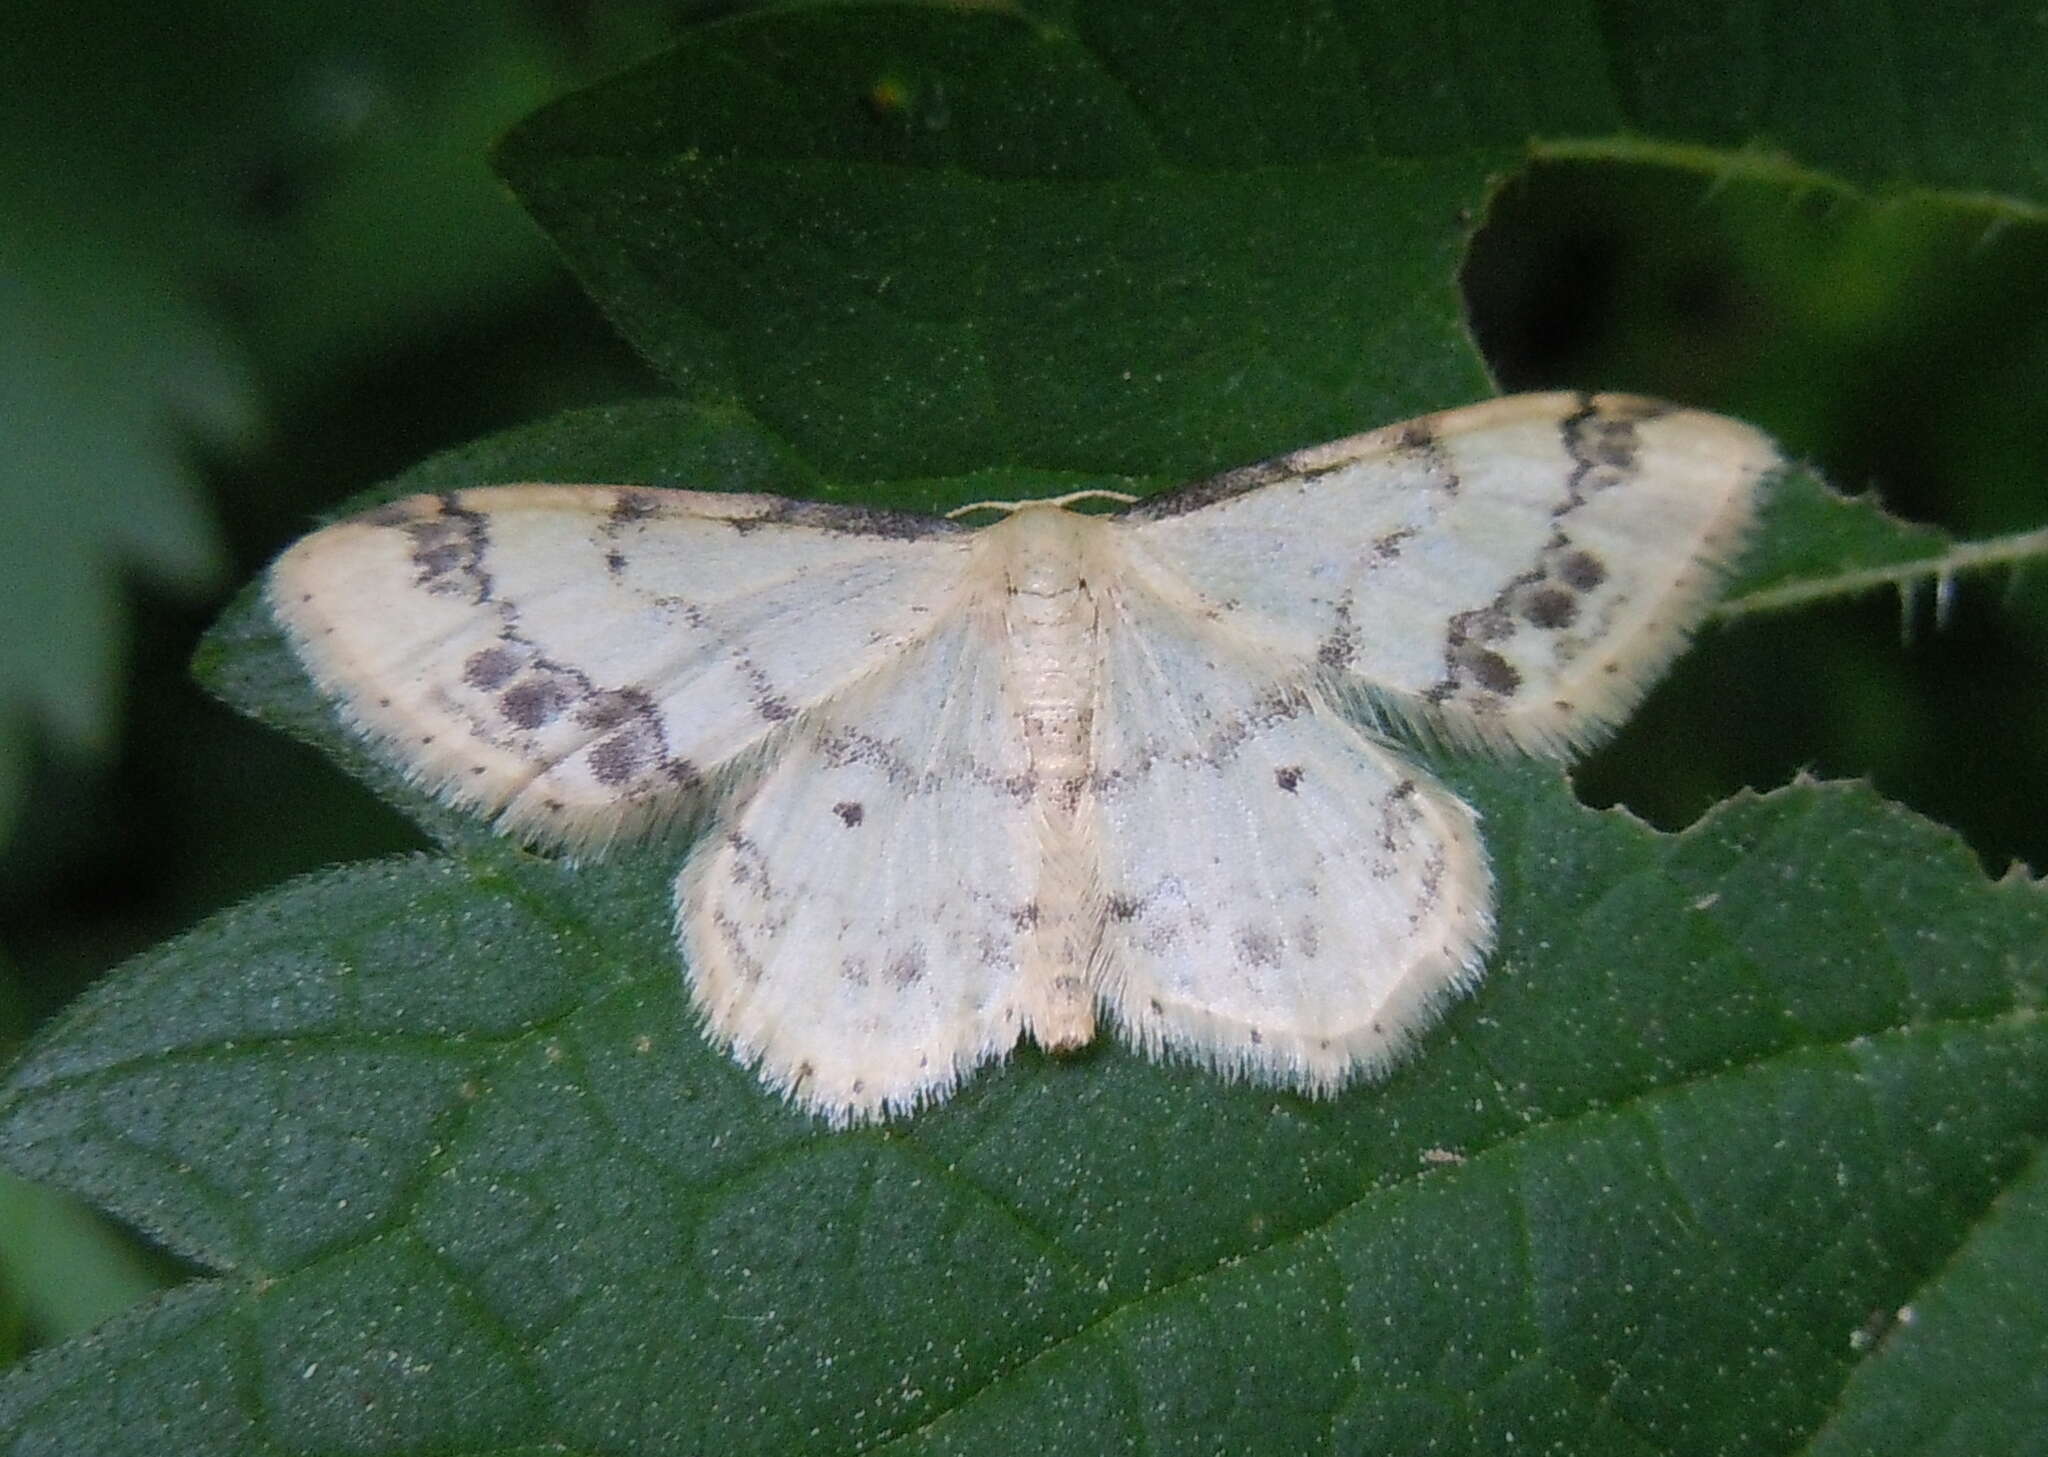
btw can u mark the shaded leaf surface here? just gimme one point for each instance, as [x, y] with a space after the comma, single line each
[470, 1177]
[1961, 1367]
[918, 242]
[1724, 1095]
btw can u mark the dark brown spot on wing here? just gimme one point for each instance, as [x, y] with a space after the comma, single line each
[1337, 649]
[622, 755]
[1603, 445]
[850, 813]
[1488, 669]
[492, 668]
[1481, 625]
[634, 505]
[1550, 607]
[1288, 778]
[1581, 570]
[535, 702]
[1388, 548]
[448, 548]
[611, 708]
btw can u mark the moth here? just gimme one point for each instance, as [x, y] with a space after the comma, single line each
[956, 787]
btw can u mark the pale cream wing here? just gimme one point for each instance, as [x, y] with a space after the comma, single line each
[578, 659]
[854, 929]
[1512, 574]
[1284, 898]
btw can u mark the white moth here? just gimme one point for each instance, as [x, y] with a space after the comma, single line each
[962, 786]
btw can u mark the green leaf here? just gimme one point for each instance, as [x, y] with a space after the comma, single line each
[1960, 1369]
[1816, 545]
[470, 1179]
[108, 379]
[63, 1269]
[66, 1268]
[1007, 267]
[231, 183]
[1724, 1095]
[1910, 98]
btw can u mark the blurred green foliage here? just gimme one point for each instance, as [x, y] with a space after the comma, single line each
[259, 262]
[251, 256]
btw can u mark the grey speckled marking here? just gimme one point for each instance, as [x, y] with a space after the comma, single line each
[750, 866]
[632, 504]
[609, 707]
[1420, 442]
[1386, 549]
[763, 697]
[618, 758]
[1482, 625]
[1194, 495]
[731, 936]
[850, 520]
[1398, 816]
[1603, 443]
[448, 550]
[1581, 570]
[492, 668]
[1432, 879]
[907, 968]
[1549, 607]
[630, 743]
[530, 691]
[1258, 946]
[634, 745]
[1604, 448]
[1231, 733]
[1336, 650]
[839, 747]
[1486, 668]
[1417, 440]
[538, 701]
[1468, 661]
